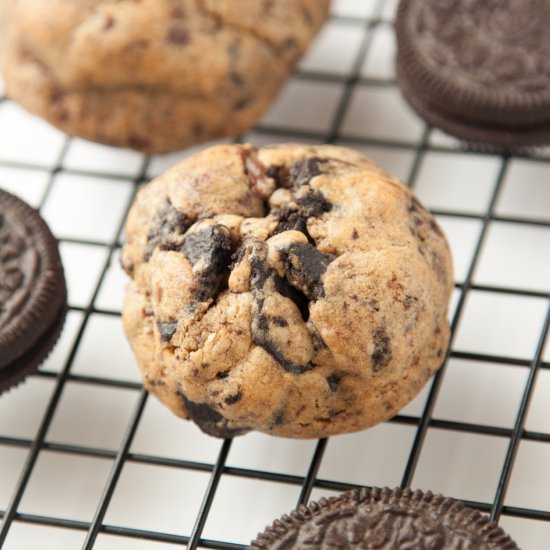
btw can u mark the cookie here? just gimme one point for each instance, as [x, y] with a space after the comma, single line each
[298, 291]
[153, 75]
[478, 70]
[384, 519]
[33, 295]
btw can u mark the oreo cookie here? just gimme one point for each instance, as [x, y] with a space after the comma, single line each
[478, 69]
[33, 293]
[384, 519]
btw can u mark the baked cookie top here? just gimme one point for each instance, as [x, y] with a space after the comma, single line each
[296, 290]
[124, 71]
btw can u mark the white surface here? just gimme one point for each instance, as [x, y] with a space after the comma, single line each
[379, 60]
[460, 464]
[93, 157]
[459, 182]
[381, 113]
[325, 58]
[77, 203]
[18, 129]
[304, 105]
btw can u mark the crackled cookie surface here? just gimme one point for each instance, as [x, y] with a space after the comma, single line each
[299, 291]
[153, 75]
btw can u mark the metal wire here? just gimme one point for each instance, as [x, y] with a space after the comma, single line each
[307, 483]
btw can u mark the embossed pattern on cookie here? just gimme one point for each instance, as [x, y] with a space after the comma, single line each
[384, 519]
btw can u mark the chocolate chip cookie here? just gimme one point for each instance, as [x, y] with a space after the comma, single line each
[299, 291]
[152, 75]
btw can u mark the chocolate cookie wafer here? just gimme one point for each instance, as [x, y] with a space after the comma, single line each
[33, 294]
[478, 69]
[384, 519]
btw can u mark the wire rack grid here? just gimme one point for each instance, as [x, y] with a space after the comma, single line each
[87, 460]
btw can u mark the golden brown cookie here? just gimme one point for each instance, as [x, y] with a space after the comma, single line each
[298, 291]
[153, 75]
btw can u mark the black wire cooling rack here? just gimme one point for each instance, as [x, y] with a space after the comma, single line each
[217, 468]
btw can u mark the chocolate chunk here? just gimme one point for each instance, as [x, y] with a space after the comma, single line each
[299, 298]
[208, 420]
[384, 519]
[354, 234]
[300, 173]
[278, 418]
[291, 220]
[333, 381]
[168, 227]
[260, 273]
[257, 252]
[305, 266]
[279, 173]
[303, 171]
[260, 337]
[222, 374]
[382, 353]
[178, 36]
[167, 330]
[314, 203]
[236, 79]
[242, 103]
[210, 251]
[233, 398]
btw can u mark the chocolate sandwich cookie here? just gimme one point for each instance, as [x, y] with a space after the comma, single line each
[299, 291]
[478, 69]
[384, 519]
[33, 295]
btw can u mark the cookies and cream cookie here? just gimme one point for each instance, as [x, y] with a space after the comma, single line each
[299, 291]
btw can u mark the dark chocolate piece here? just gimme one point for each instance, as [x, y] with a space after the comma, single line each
[261, 273]
[382, 354]
[314, 203]
[300, 300]
[169, 226]
[474, 68]
[212, 248]
[333, 380]
[291, 220]
[33, 294]
[305, 266]
[167, 330]
[260, 336]
[384, 519]
[208, 420]
[303, 171]
[179, 36]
